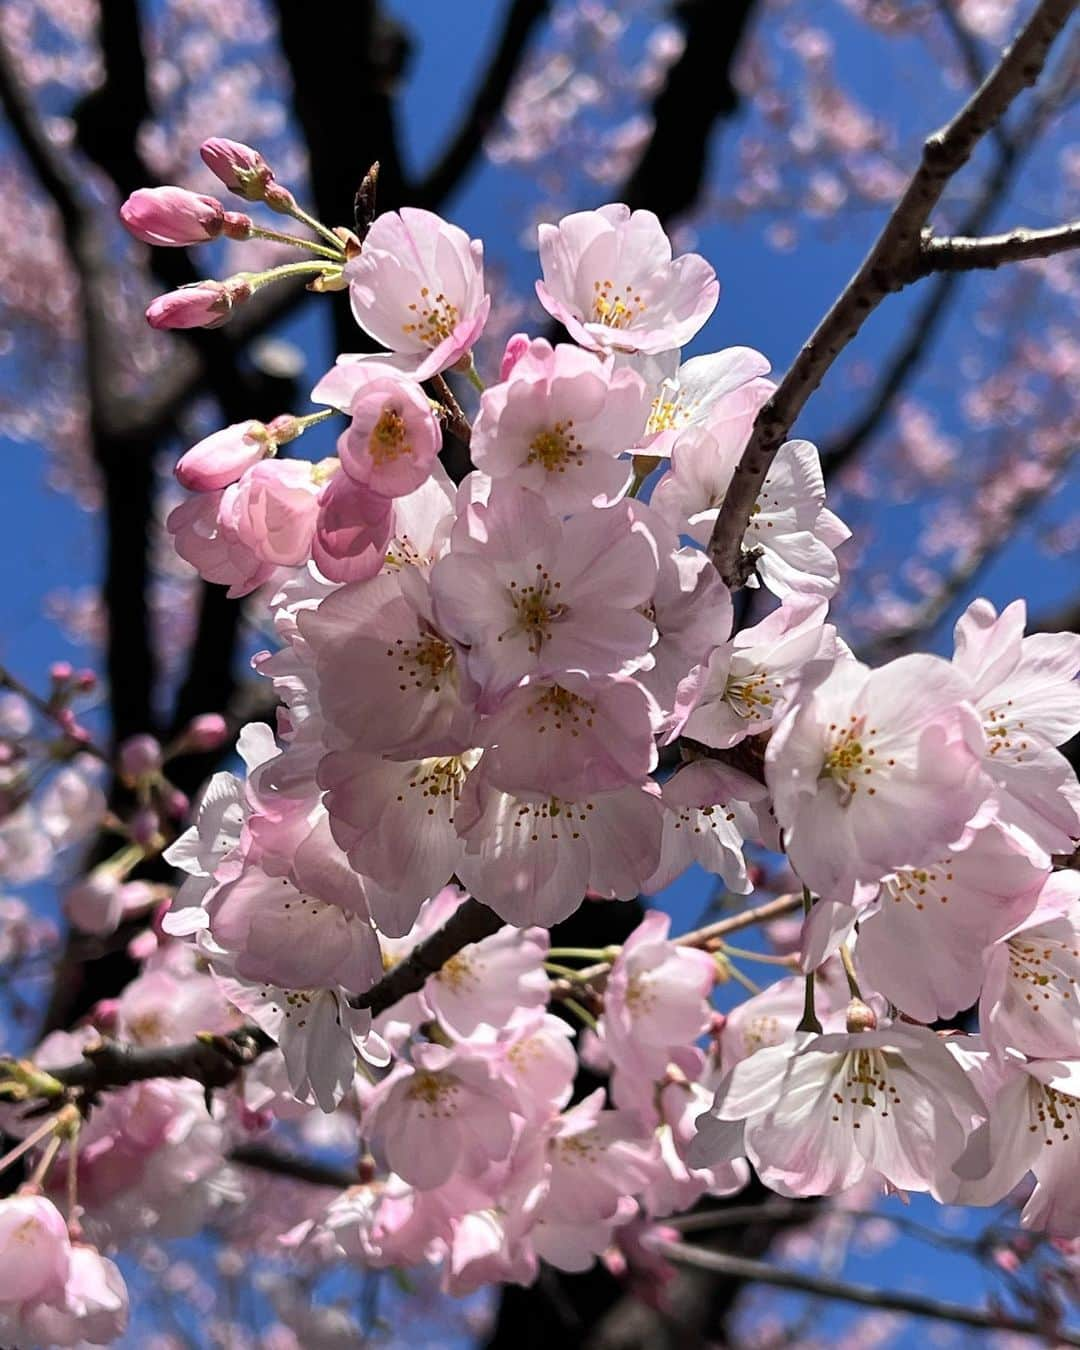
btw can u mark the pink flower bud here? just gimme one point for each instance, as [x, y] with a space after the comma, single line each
[204, 304]
[60, 672]
[220, 459]
[85, 681]
[144, 825]
[516, 347]
[279, 199]
[860, 1016]
[208, 731]
[139, 756]
[177, 804]
[242, 169]
[172, 216]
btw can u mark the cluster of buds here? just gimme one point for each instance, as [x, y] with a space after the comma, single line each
[174, 217]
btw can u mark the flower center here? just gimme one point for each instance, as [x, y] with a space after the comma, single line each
[554, 449]
[1004, 737]
[849, 758]
[537, 608]
[437, 1092]
[1052, 1112]
[916, 884]
[615, 307]
[561, 710]
[751, 696]
[1042, 964]
[442, 778]
[436, 318]
[458, 973]
[422, 664]
[389, 438]
[864, 1081]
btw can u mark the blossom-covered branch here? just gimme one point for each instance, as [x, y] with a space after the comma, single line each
[890, 265]
[824, 1286]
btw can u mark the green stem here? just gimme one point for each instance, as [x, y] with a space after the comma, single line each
[299, 269]
[586, 953]
[849, 971]
[553, 968]
[313, 419]
[737, 975]
[276, 237]
[474, 377]
[764, 958]
[576, 1008]
[298, 213]
[809, 1018]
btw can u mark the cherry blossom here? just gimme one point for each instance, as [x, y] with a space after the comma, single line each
[609, 277]
[418, 288]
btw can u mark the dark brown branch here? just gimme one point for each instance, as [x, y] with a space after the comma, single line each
[452, 167]
[698, 91]
[886, 268]
[957, 253]
[267, 1159]
[823, 1286]
[469, 923]
[214, 1061]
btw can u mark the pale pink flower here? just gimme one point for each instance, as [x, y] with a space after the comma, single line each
[221, 458]
[609, 278]
[442, 1114]
[353, 529]
[271, 510]
[393, 438]
[689, 397]
[1031, 983]
[410, 698]
[484, 984]
[172, 216]
[745, 688]
[656, 999]
[531, 857]
[1033, 1115]
[537, 1059]
[707, 815]
[576, 1246]
[534, 596]
[674, 1184]
[93, 1309]
[395, 820]
[35, 1252]
[691, 608]
[72, 802]
[875, 769]
[559, 424]
[1028, 697]
[771, 1017]
[918, 941]
[418, 288]
[572, 738]
[816, 1113]
[790, 523]
[484, 1250]
[201, 538]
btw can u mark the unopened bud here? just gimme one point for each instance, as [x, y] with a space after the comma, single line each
[860, 1016]
[85, 681]
[60, 672]
[242, 169]
[139, 757]
[203, 304]
[176, 803]
[220, 459]
[206, 732]
[144, 826]
[172, 217]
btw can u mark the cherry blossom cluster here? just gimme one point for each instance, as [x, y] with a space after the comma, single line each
[476, 682]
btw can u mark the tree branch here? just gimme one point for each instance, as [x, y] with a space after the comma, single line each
[887, 268]
[266, 1159]
[823, 1286]
[451, 168]
[470, 923]
[214, 1061]
[957, 253]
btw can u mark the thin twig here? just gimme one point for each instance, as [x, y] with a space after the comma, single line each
[956, 253]
[822, 1286]
[890, 265]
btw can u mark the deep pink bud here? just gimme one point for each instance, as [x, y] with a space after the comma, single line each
[204, 304]
[516, 347]
[242, 169]
[85, 680]
[220, 459]
[205, 732]
[60, 672]
[177, 804]
[279, 198]
[139, 755]
[172, 216]
[238, 226]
